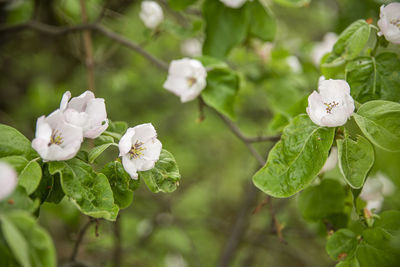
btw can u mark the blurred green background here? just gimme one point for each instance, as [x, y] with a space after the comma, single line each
[190, 226]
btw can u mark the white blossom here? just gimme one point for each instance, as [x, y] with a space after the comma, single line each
[321, 48]
[56, 139]
[191, 47]
[8, 180]
[151, 14]
[375, 189]
[233, 3]
[333, 105]
[87, 112]
[294, 64]
[186, 78]
[139, 148]
[332, 161]
[389, 22]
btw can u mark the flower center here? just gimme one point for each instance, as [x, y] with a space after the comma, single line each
[330, 106]
[56, 138]
[136, 150]
[395, 22]
[191, 81]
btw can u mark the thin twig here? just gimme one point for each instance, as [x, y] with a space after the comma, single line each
[239, 227]
[240, 135]
[57, 31]
[88, 46]
[79, 239]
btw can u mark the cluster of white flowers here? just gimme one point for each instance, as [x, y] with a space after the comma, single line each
[333, 105]
[389, 22]
[151, 14]
[321, 48]
[59, 135]
[8, 180]
[375, 189]
[186, 78]
[233, 3]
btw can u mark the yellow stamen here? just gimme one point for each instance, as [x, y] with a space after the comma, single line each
[56, 138]
[136, 150]
[330, 106]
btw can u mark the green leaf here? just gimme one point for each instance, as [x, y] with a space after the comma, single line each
[288, 169]
[319, 201]
[97, 151]
[225, 27]
[374, 247]
[164, 177]
[262, 23]
[89, 191]
[19, 200]
[379, 121]
[16, 241]
[374, 78]
[119, 127]
[29, 172]
[352, 40]
[180, 4]
[222, 88]
[13, 142]
[29, 242]
[342, 242]
[355, 160]
[293, 3]
[102, 139]
[119, 181]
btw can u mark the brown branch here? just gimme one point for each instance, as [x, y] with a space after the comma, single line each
[239, 227]
[235, 130]
[57, 31]
[79, 239]
[88, 46]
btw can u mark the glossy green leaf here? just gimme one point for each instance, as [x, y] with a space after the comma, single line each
[373, 248]
[29, 172]
[288, 169]
[374, 78]
[319, 201]
[355, 160]
[293, 3]
[379, 121]
[225, 27]
[342, 243]
[97, 151]
[13, 142]
[164, 177]
[29, 242]
[119, 181]
[89, 191]
[262, 23]
[352, 40]
[222, 88]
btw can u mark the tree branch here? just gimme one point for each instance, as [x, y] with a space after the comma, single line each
[79, 239]
[57, 31]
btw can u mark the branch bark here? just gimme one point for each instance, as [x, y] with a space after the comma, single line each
[58, 31]
[79, 239]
